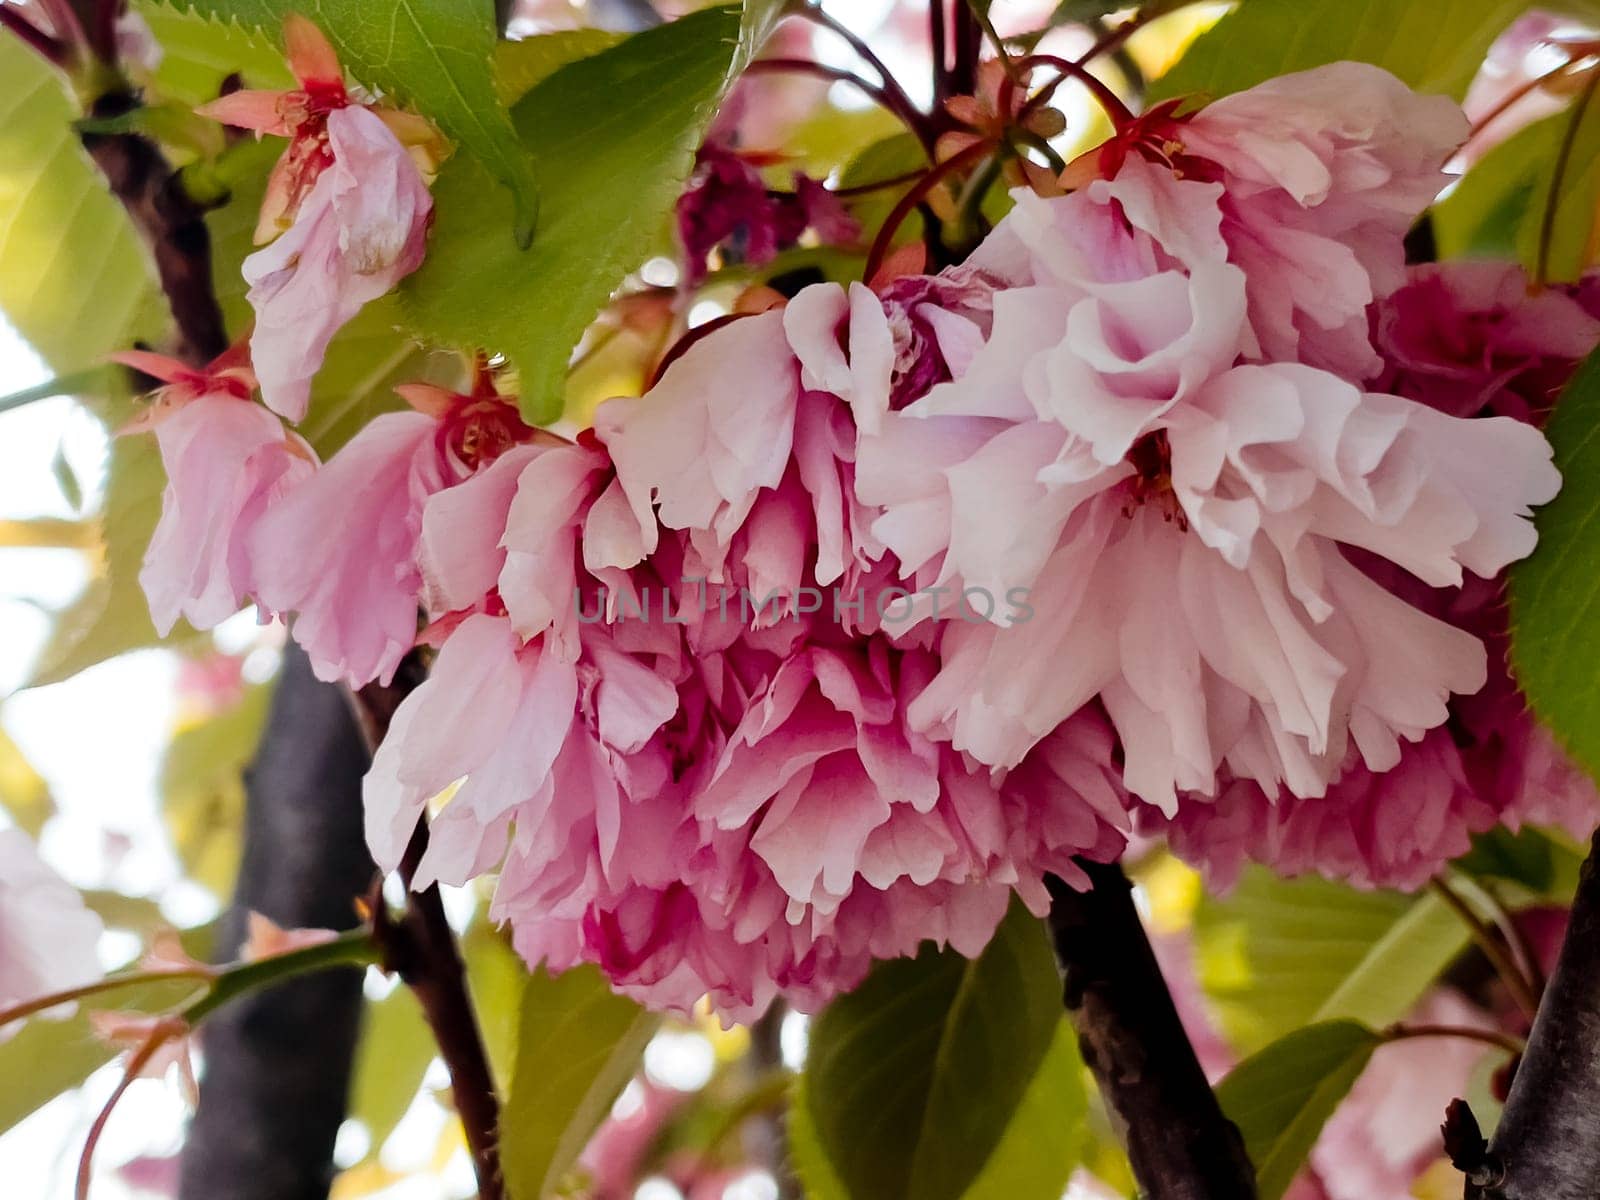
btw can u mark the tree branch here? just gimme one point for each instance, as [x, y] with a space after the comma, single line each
[1181, 1145]
[170, 222]
[1547, 1146]
[278, 1062]
[422, 950]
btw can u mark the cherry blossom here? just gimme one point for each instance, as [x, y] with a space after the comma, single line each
[347, 205]
[228, 461]
[48, 939]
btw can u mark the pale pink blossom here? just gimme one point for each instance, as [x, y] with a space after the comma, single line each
[228, 461]
[747, 443]
[1468, 338]
[339, 551]
[1175, 517]
[48, 939]
[360, 230]
[1323, 172]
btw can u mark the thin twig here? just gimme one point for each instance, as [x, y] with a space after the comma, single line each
[1558, 176]
[907, 113]
[908, 110]
[1510, 1043]
[914, 196]
[936, 39]
[422, 949]
[1489, 942]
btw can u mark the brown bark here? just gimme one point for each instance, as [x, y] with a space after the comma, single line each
[1179, 1142]
[1547, 1145]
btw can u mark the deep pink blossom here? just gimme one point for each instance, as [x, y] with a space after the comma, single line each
[48, 938]
[1175, 518]
[228, 461]
[697, 801]
[729, 208]
[1475, 336]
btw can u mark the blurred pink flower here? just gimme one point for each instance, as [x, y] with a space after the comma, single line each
[48, 939]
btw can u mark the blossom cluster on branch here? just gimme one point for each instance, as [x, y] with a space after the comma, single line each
[1243, 485]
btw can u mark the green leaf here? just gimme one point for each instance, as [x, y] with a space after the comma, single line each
[23, 792]
[1053, 1114]
[1276, 954]
[396, 1048]
[913, 1079]
[1500, 207]
[74, 279]
[111, 616]
[496, 978]
[1555, 593]
[1484, 211]
[46, 1057]
[197, 54]
[615, 135]
[432, 54]
[1281, 1097]
[579, 1044]
[1261, 39]
[519, 65]
[202, 788]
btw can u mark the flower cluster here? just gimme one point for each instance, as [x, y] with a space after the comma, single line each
[1184, 417]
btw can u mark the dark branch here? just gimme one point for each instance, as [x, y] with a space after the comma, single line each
[171, 224]
[1547, 1145]
[278, 1062]
[1180, 1144]
[422, 949]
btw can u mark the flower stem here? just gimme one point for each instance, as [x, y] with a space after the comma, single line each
[1510, 1043]
[1493, 948]
[1558, 177]
[915, 196]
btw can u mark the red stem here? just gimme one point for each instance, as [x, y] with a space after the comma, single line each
[1114, 108]
[53, 51]
[913, 119]
[914, 196]
[936, 35]
[1547, 229]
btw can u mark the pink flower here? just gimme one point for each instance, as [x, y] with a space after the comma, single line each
[48, 939]
[1503, 98]
[1106, 458]
[729, 208]
[697, 801]
[340, 549]
[228, 460]
[1323, 171]
[1467, 338]
[1471, 337]
[359, 231]
[747, 442]
[349, 199]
